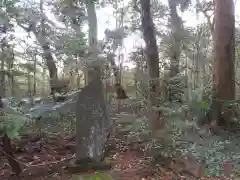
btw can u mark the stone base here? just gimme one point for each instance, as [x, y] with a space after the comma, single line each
[88, 165]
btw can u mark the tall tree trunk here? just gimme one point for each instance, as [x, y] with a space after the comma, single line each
[2, 78]
[120, 92]
[78, 73]
[92, 22]
[34, 76]
[78, 79]
[52, 68]
[72, 77]
[11, 73]
[2, 70]
[155, 119]
[176, 47]
[83, 151]
[211, 24]
[13, 86]
[47, 55]
[92, 34]
[151, 49]
[47, 52]
[116, 71]
[225, 58]
[43, 77]
[28, 83]
[119, 24]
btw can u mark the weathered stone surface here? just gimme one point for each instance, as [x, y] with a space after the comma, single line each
[92, 121]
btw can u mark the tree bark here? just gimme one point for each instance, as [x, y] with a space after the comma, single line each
[151, 49]
[92, 36]
[43, 77]
[34, 76]
[3, 88]
[52, 68]
[176, 45]
[224, 52]
[11, 72]
[29, 82]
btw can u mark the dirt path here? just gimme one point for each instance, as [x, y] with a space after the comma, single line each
[131, 163]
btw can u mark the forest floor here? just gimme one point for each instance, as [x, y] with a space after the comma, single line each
[47, 158]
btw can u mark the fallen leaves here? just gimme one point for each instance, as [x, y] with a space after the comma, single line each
[133, 164]
[40, 158]
[47, 158]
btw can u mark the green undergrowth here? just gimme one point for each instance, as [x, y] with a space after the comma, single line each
[213, 151]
